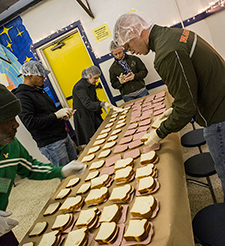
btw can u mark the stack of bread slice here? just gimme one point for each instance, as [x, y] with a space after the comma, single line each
[124, 174]
[62, 222]
[88, 218]
[111, 213]
[146, 184]
[143, 206]
[77, 238]
[100, 181]
[107, 233]
[50, 238]
[121, 194]
[149, 157]
[137, 230]
[123, 163]
[71, 204]
[145, 171]
[97, 196]
[38, 229]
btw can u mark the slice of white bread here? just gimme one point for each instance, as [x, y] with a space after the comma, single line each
[146, 184]
[100, 181]
[143, 206]
[28, 244]
[123, 163]
[63, 193]
[105, 130]
[73, 182]
[107, 233]
[52, 208]
[123, 174]
[38, 229]
[50, 238]
[84, 188]
[137, 230]
[121, 193]
[115, 132]
[109, 145]
[148, 157]
[121, 121]
[111, 213]
[71, 204]
[118, 126]
[97, 196]
[102, 136]
[62, 221]
[112, 138]
[109, 125]
[148, 170]
[87, 217]
[88, 158]
[93, 149]
[98, 142]
[77, 238]
[92, 175]
[104, 153]
[97, 164]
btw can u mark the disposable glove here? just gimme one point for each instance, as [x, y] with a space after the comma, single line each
[153, 138]
[121, 78]
[74, 167]
[110, 106]
[64, 113]
[161, 118]
[6, 224]
[102, 104]
[129, 77]
[166, 114]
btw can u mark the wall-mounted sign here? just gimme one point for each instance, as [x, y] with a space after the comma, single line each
[102, 32]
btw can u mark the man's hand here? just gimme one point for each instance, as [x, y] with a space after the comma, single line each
[153, 138]
[6, 224]
[74, 167]
[121, 78]
[64, 113]
[166, 114]
[129, 77]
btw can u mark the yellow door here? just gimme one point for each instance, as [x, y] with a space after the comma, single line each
[67, 62]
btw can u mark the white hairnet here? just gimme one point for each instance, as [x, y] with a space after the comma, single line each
[113, 46]
[129, 26]
[89, 72]
[33, 68]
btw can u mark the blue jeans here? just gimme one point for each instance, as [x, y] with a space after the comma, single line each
[215, 139]
[129, 98]
[60, 152]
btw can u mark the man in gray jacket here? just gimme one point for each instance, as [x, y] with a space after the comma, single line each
[194, 74]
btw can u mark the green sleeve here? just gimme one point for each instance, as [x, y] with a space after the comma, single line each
[33, 169]
[179, 75]
[141, 70]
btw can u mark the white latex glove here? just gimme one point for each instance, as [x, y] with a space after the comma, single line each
[121, 78]
[110, 106]
[6, 224]
[74, 167]
[64, 113]
[166, 114]
[153, 138]
[102, 104]
[129, 77]
[161, 118]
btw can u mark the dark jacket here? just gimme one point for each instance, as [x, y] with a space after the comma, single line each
[87, 117]
[137, 67]
[195, 75]
[38, 115]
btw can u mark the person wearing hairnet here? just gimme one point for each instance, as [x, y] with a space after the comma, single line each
[87, 117]
[15, 159]
[127, 74]
[41, 117]
[194, 74]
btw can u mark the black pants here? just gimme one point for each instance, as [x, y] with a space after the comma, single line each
[8, 239]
